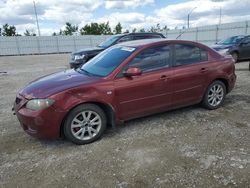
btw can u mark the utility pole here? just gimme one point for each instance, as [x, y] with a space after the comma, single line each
[38, 29]
[220, 17]
[188, 18]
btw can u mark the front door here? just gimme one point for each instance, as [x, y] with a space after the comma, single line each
[149, 92]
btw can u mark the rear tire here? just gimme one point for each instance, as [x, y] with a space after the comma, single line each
[215, 95]
[85, 124]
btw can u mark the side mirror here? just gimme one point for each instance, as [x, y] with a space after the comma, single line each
[132, 71]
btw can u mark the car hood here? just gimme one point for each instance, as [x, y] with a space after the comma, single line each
[88, 50]
[221, 46]
[48, 85]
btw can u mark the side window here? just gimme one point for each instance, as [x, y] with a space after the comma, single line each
[247, 41]
[189, 54]
[139, 37]
[146, 37]
[154, 36]
[152, 59]
[125, 38]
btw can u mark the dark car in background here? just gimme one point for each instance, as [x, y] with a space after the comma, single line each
[81, 56]
[126, 81]
[237, 46]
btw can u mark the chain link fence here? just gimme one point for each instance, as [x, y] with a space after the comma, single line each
[210, 34]
[25, 45]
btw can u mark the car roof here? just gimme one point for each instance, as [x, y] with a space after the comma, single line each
[140, 33]
[146, 42]
[146, 33]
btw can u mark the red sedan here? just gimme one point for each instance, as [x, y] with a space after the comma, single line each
[123, 82]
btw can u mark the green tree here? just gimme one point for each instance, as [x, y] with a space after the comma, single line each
[9, 30]
[96, 29]
[134, 30]
[118, 28]
[28, 33]
[156, 28]
[142, 30]
[70, 29]
[0, 31]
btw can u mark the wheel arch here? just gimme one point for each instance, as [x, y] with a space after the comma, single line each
[107, 109]
[223, 80]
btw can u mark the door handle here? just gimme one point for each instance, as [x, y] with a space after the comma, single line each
[203, 70]
[163, 77]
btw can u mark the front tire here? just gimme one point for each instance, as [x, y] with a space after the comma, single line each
[235, 56]
[85, 124]
[215, 95]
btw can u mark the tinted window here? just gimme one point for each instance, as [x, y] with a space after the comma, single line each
[126, 38]
[108, 42]
[231, 40]
[246, 41]
[152, 58]
[155, 36]
[105, 62]
[189, 54]
[139, 37]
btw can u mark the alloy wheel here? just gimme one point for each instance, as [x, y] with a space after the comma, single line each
[86, 125]
[215, 95]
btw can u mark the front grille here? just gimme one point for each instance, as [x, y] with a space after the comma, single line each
[18, 100]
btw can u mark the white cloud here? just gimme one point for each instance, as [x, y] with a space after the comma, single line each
[53, 14]
[121, 4]
[21, 12]
[205, 12]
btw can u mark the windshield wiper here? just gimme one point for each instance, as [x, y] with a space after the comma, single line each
[88, 73]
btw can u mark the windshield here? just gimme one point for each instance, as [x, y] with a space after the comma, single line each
[231, 40]
[107, 61]
[108, 42]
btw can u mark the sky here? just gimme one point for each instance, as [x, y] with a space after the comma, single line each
[53, 14]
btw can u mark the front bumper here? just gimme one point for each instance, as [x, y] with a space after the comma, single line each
[44, 123]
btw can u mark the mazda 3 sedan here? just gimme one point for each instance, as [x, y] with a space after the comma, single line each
[123, 82]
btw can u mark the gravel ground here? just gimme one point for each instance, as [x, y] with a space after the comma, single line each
[189, 147]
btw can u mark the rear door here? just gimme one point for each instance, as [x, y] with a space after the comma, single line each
[191, 68]
[149, 92]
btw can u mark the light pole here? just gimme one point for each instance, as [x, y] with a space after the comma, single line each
[220, 13]
[220, 17]
[189, 16]
[38, 29]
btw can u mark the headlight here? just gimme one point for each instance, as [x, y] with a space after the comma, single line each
[39, 104]
[79, 57]
[224, 51]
